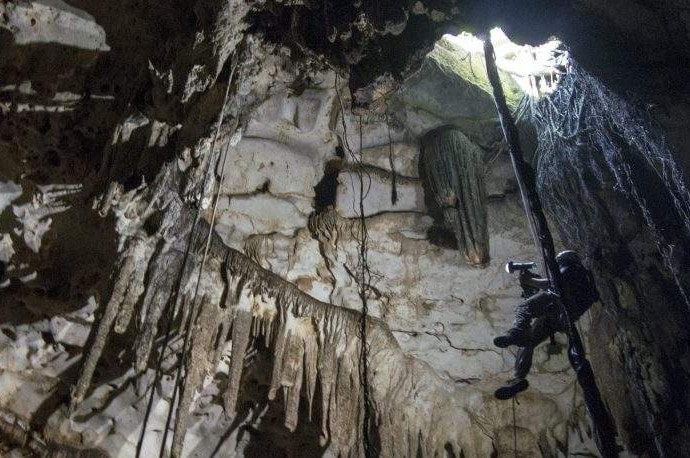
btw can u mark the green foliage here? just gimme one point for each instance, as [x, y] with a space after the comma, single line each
[453, 81]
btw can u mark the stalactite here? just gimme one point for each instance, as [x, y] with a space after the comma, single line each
[125, 291]
[453, 166]
[325, 367]
[196, 364]
[257, 248]
[199, 358]
[241, 330]
[311, 358]
[328, 226]
[158, 293]
[291, 375]
[312, 342]
[136, 284]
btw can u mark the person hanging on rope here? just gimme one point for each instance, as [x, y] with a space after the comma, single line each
[541, 314]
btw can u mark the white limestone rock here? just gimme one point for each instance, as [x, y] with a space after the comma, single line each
[300, 122]
[400, 157]
[52, 21]
[239, 217]
[124, 130]
[371, 131]
[9, 191]
[6, 248]
[69, 332]
[74, 328]
[260, 164]
[500, 178]
[378, 189]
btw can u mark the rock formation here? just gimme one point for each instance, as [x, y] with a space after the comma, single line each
[455, 171]
[204, 210]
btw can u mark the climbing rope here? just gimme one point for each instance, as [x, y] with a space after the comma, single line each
[364, 281]
[178, 282]
[179, 379]
[394, 186]
[364, 284]
[601, 421]
[515, 453]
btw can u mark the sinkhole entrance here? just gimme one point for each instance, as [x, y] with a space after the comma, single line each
[531, 70]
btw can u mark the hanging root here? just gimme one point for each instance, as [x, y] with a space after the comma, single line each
[454, 166]
[590, 138]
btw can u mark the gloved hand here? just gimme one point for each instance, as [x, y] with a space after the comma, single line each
[524, 277]
[529, 289]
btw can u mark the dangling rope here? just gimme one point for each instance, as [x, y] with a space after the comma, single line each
[178, 282]
[587, 133]
[394, 186]
[179, 380]
[515, 453]
[364, 277]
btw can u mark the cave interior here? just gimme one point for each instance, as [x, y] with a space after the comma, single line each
[281, 228]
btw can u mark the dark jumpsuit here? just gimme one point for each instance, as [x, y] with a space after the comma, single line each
[541, 315]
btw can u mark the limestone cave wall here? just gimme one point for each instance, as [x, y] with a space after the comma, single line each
[218, 165]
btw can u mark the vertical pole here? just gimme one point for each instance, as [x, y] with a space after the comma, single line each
[603, 428]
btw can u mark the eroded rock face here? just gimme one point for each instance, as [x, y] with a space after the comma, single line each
[266, 208]
[441, 310]
[109, 127]
[315, 342]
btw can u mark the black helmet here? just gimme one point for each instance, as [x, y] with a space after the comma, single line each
[567, 258]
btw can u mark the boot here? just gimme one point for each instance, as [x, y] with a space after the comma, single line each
[514, 336]
[511, 388]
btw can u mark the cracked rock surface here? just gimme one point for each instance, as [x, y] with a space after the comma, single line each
[128, 208]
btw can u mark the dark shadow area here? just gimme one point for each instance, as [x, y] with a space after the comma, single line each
[438, 234]
[44, 62]
[325, 191]
[264, 433]
[73, 264]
